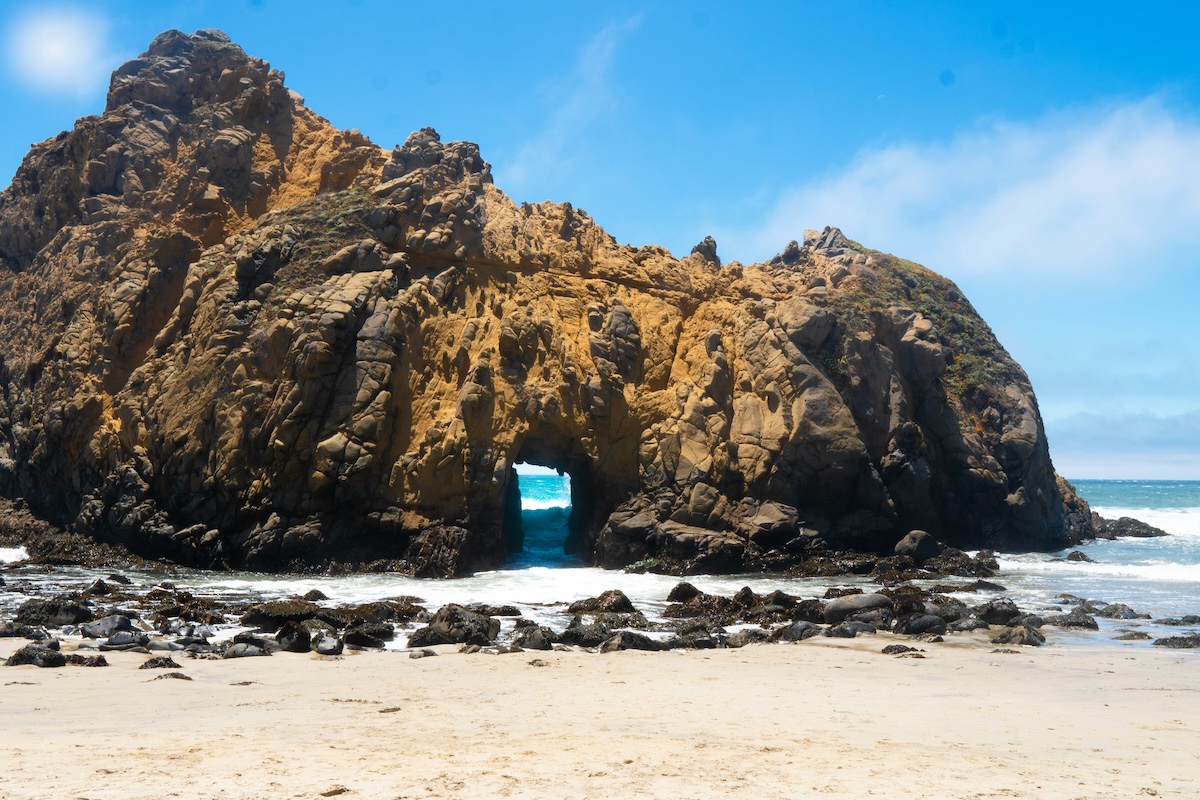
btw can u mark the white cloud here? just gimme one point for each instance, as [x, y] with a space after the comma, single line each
[1078, 192]
[583, 97]
[59, 50]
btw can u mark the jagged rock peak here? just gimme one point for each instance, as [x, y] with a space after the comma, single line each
[707, 251]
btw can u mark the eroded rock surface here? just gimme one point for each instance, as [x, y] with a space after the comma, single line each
[232, 335]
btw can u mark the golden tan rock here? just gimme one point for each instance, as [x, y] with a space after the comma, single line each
[233, 335]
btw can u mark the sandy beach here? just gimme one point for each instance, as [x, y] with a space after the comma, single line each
[819, 718]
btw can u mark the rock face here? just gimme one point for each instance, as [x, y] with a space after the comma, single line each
[232, 335]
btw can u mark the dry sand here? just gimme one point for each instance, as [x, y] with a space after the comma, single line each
[821, 718]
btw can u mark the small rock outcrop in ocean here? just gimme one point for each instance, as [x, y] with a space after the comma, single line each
[232, 335]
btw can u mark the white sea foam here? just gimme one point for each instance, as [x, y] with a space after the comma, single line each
[10, 555]
[1162, 571]
[535, 504]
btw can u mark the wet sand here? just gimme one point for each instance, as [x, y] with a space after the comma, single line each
[820, 718]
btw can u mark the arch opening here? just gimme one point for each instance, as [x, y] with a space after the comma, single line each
[548, 508]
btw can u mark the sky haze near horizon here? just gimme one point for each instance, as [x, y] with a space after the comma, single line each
[1045, 158]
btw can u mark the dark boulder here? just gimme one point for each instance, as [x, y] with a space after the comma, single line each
[64, 610]
[582, 634]
[747, 636]
[454, 624]
[106, 627]
[840, 608]
[1119, 611]
[629, 640]
[1188, 642]
[126, 640]
[809, 611]
[36, 655]
[918, 623]
[244, 650]
[919, 546]
[1021, 635]
[1077, 618]
[682, 592]
[371, 634]
[159, 662]
[848, 630]
[76, 660]
[294, 638]
[271, 616]
[534, 637]
[998, 612]
[613, 600]
[325, 643]
[796, 632]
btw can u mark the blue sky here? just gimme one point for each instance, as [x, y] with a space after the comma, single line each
[1044, 156]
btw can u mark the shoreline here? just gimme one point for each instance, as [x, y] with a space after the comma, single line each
[832, 718]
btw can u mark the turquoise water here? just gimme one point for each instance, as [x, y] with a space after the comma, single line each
[545, 505]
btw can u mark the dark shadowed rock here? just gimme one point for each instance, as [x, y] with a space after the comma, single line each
[271, 616]
[53, 611]
[629, 640]
[159, 662]
[454, 624]
[919, 546]
[106, 627]
[244, 650]
[372, 634]
[1190, 641]
[1021, 635]
[918, 623]
[294, 638]
[796, 632]
[36, 655]
[77, 660]
[326, 643]
[747, 636]
[842, 607]
[998, 612]
[613, 600]
[848, 630]
[1077, 618]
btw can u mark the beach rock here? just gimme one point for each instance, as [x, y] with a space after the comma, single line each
[375, 635]
[809, 611]
[106, 627]
[796, 632]
[842, 607]
[315, 596]
[13, 630]
[1127, 526]
[1028, 620]
[1077, 618]
[1021, 635]
[848, 630]
[159, 662]
[126, 640]
[294, 638]
[494, 611]
[76, 660]
[53, 611]
[1191, 640]
[747, 636]
[535, 637]
[583, 634]
[897, 649]
[261, 642]
[629, 640]
[919, 546]
[997, 612]
[271, 616]
[244, 650]
[967, 624]
[918, 623]
[1133, 636]
[326, 644]
[36, 655]
[454, 624]
[1187, 619]
[613, 600]
[1080, 556]
[1119, 611]
[721, 610]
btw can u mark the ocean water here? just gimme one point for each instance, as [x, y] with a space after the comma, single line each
[1160, 577]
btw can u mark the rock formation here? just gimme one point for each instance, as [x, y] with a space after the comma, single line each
[233, 335]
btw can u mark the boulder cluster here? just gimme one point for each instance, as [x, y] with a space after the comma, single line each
[234, 336]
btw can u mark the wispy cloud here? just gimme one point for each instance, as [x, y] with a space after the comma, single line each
[58, 49]
[1089, 191]
[582, 98]
[1131, 446]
